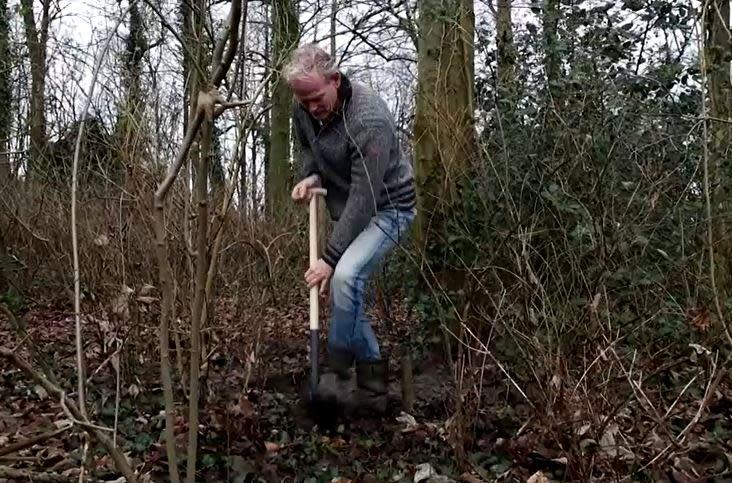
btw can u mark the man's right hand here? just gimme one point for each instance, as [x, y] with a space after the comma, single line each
[301, 192]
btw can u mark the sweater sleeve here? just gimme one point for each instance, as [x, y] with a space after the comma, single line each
[372, 140]
[308, 164]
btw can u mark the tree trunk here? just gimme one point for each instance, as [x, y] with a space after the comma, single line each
[216, 169]
[133, 106]
[720, 106]
[243, 191]
[136, 46]
[333, 18]
[242, 78]
[505, 45]
[552, 59]
[5, 94]
[443, 124]
[36, 41]
[553, 132]
[285, 35]
[201, 203]
[266, 130]
[323, 214]
[253, 176]
[195, 67]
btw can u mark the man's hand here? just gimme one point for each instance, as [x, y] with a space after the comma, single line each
[319, 274]
[301, 191]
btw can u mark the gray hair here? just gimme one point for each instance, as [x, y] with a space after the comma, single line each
[306, 59]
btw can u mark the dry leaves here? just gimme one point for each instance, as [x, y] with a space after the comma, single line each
[700, 317]
[271, 447]
[538, 477]
[243, 408]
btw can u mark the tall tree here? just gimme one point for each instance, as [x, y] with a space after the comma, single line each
[552, 70]
[552, 58]
[242, 76]
[266, 131]
[132, 108]
[285, 35]
[5, 94]
[443, 124]
[505, 45]
[37, 42]
[717, 50]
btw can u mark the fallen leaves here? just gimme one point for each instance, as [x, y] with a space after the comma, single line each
[120, 306]
[252, 415]
[538, 477]
[423, 472]
[40, 392]
[610, 446]
[271, 447]
[468, 478]
[700, 318]
[409, 421]
[242, 408]
[133, 390]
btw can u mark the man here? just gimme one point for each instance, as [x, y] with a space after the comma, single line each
[349, 146]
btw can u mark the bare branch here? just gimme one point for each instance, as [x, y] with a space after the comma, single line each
[28, 442]
[25, 475]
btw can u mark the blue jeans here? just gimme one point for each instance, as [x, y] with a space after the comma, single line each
[349, 332]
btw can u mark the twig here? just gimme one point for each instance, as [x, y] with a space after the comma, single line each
[21, 459]
[104, 363]
[28, 442]
[26, 339]
[679, 396]
[119, 459]
[650, 463]
[82, 465]
[638, 392]
[116, 398]
[711, 387]
[70, 415]
[597, 359]
[22, 223]
[483, 350]
[229, 105]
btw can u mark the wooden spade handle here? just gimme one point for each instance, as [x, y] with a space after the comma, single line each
[314, 308]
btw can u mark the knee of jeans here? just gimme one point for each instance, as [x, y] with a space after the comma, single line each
[344, 278]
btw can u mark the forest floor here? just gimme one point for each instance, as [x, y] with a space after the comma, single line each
[253, 426]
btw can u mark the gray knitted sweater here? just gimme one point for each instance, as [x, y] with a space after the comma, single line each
[359, 161]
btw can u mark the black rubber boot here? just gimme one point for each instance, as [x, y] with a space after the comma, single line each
[372, 376]
[335, 384]
[340, 363]
[371, 384]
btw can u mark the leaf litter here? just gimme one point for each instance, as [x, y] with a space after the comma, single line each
[253, 426]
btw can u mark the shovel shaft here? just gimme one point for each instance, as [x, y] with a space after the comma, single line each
[314, 307]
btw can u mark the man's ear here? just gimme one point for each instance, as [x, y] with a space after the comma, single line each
[336, 78]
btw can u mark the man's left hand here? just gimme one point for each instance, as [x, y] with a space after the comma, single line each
[319, 274]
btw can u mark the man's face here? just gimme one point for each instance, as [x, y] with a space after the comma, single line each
[319, 94]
